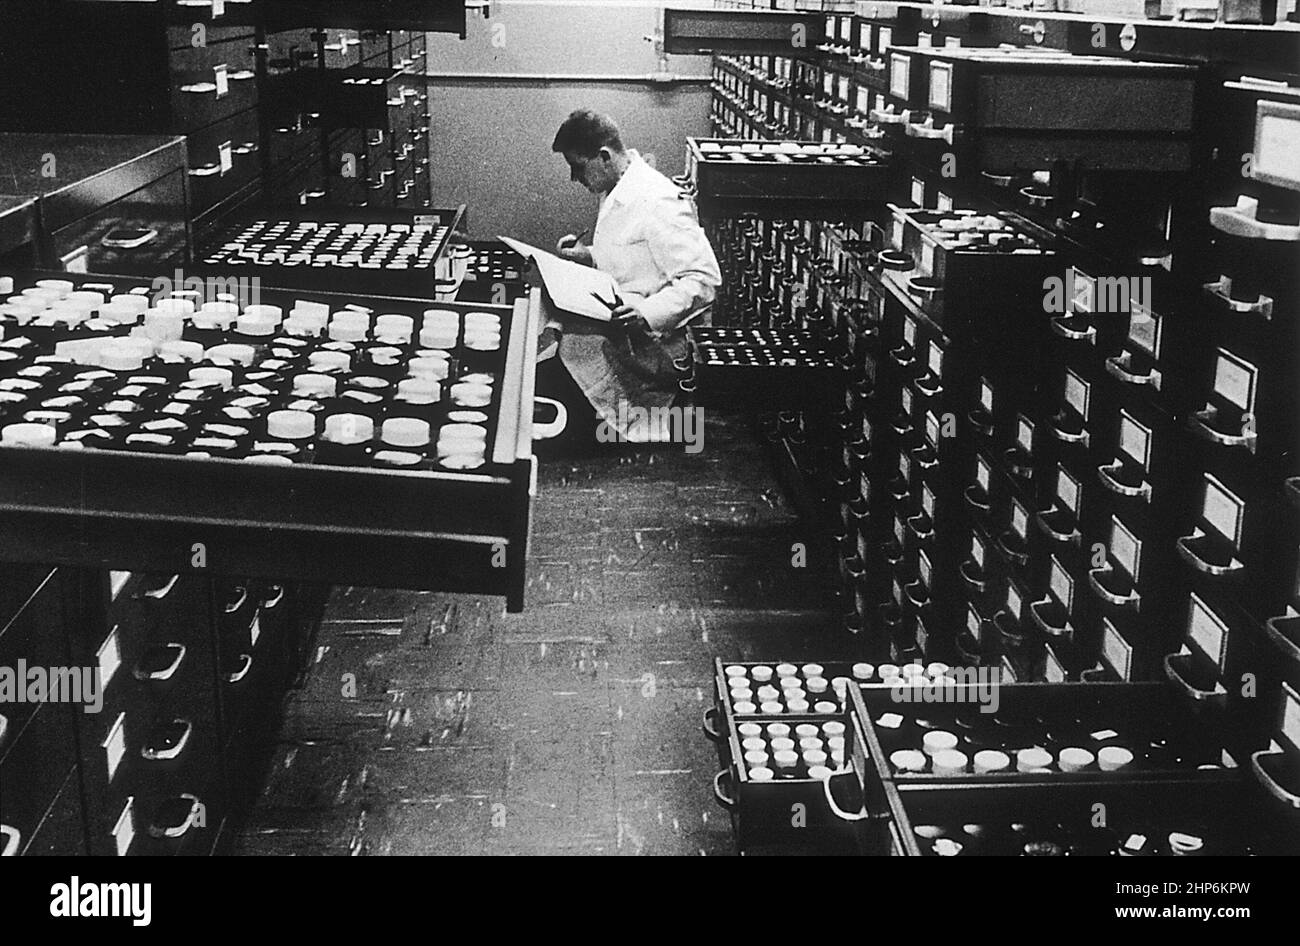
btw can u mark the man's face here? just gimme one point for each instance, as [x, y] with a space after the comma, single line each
[594, 173]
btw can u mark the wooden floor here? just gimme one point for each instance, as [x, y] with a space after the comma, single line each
[437, 724]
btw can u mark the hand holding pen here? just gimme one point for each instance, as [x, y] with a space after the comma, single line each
[619, 311]
[572, 248]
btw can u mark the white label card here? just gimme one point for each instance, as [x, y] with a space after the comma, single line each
[222, 79]
[983, 474]
[1062, 585]
[114, 745]
[909, 332]
[924, 568]
[1125, 548]
[124, 828]
[1207, 631]
[1234, 379]
[927, 256]
[977, 551]
[1025, 435]
[1015, 604]
[927, 501]
[1116, 651]
[1223, 510]
[884, 38]
[1067, 490]
[1019, 520]
[109, 658]
[986, 396]
[1135, 440]
[899, 75]
[918, 192]
[1053, 672]
[1077, 392]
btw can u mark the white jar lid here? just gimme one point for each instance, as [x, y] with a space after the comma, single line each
[315, 385]
[749, 730]
[438, 338]
[1110, 758]
[471, 395]
[462, 461]
[119, 314]
[471, 433]
[991, 760]
[777, 730]
[863, 671]
[484, 342]
[239, 354]
[210, 375]
[441, 317]
[130, 300]
[61, 286]
[218, 308]
[782, 743]
[938, 741]
[177, 350]
[269, 459]
[303, 328]
[119, 358]
[406, 432]
[96, 299]
[1074, 759]
[949, 762]
[806, 730]
[745, 708]
[392, 323]
[825, 706]
[786, 670]
[483, 320]
[162, 326]
[813, 670]
[761, 774]
[398, 458]
[756, 758]
[810, 742]
[423, 367]
[349, 428]
[767, 692]
[761, 674]
[271, 313]
[819, 773]
[908, 760]
[733, 682]
[912, 670]
[750, 743]
[786, 760]
[817, 684]
[347, 332]
[1029, 760]
[814, 757]
[772, 707]
[291, 425]
[794, 693]
[330, 360]
[256, 325]
[419, 390]
[28, 435]
[735, 670]
[181, 307]
[797, 706]
[833, 728]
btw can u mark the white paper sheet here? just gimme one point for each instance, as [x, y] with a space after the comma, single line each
[570, 284]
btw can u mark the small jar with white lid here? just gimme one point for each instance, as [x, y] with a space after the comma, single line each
[345, 440]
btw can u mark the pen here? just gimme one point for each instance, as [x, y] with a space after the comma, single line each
[607, 304]
[578, 239]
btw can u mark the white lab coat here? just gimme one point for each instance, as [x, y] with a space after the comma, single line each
[649, 239]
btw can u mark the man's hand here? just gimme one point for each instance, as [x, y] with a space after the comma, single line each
[572, 248]
[628, 317]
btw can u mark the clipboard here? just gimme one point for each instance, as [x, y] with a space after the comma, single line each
[572, 287]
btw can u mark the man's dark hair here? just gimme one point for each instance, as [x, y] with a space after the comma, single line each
[585, 132]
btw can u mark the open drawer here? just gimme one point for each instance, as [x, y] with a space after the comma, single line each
[137, 504]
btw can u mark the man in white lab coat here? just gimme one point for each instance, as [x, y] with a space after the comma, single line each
[649, 239]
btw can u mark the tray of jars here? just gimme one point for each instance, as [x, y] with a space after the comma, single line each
[764, 366]
[966, 728]
[1115, 818]
[380, 252]
[341, 438]
[735, 176]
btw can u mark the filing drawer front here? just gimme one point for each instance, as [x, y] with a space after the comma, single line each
[212, 83]
[217, 171]
[159, 206]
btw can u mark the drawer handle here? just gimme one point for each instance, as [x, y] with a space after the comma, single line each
[274, 595]
[917, 602]
[161, 591]
[1130, 602]
[207, 170]
[928, 387]
[555, 427]
[179, 830]
[1115, 367]
[725, 800]
[975, 583]
[1105, 473]
[927, 130]
[1198, 425]
[1218, 695]
[1073, 537]
[9, 837]
[1015, 465]
[836, 810]
[1081, 437]
[1190, 556]
[1060, 328]
[713, 734]
[976, 419]
[1020, 558]
[164, 673]
[1276, 633]
[245, 665]
[971, 494]
[162, 755]
[239, 602]
[1051, 630]
[1270, 784]
[920, 461]
[902, 359]
[922, 535]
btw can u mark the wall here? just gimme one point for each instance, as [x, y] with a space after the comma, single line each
[498, 97]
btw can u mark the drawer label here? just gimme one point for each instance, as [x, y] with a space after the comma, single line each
[1053, 672]
[899, 75]
[1015, 604]
[1025, 435]
[864, 100]
[1085, 287]
[973, 623]
[924, 568]
[906, 398]
[896, 237]
[109, 658]
[124, 829]
[114, 745]
[918, 192]
[222, 78]
[255, 629]
[1077, 392]
[898, 593]
[864, 36]
[986, 396]
[846, 28]
[1135, 439]
[905, 467]
[884, 38]
[943, 201]
[935, 360]
[225, 158]
[909, 331]
[932, 430]
[1207, 631]
[1144, 331]
[1067, 490]
[927, 255]
[1062, 585]
[900, 531]
[844, 88]
[977, 550]
[927, 501]
[941, 86]
[1019, 520]
[1223, 510]
[1125, 548]
[983, 474]
[1234, 379]
[1116, 651]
